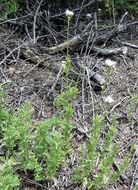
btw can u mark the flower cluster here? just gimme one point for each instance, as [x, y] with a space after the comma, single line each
[110, 63]
[69, 13]
[108, 99]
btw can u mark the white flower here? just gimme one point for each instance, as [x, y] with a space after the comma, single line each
[102, 81]
[136, 149]
[69, 13]
[110, 63]
[105, 179]
[125, 50]
[108, 99]
[99, 10]
[63, 64]
[88, 15]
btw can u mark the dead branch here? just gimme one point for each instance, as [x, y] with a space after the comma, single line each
[69, 43]
[129, 45]
[27, 54]
[107, 52]
[55, 66]
[99, 39]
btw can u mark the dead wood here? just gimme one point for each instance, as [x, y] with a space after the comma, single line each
[99, 39]
[109, 34]
[29, 55]
[69, 43]
[129, 45]
[107, 52]
[56, 67]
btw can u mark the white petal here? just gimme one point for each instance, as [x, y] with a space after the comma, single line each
[108, 99]
[63, 64]
[110, 63]
[125, 50]
[69, 13]
[99, 10]
[88, 15]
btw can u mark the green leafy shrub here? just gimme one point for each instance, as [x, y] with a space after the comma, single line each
[48, 146]
[43, 147]
[49, 142]
[8, 179]
[132, 106]
[8, 7]
[95, 167]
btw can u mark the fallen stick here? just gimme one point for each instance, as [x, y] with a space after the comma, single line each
[129, 45]
[99, 39]
[107, 52]
[56, 67]
[69, 43]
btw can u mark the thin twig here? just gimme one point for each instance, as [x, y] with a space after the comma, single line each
[89, 82]
[134, 175]
[54, 84]
[10, 54]
[34, 24]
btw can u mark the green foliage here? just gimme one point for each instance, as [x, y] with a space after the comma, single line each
[32, 164]
[132, 106]
[130, 6]
[120, 6]
[8, 7]
[95, 167]
[113, 9]
[136, 188]
[43, 150]
[114, 177]
[8, 179]
[89, 154]
[3, 113]
[48, 145]
[17, 130]
[49, 142]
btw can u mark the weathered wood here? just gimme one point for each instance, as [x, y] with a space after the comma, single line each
[100, 39]
[56, 67]
[107, 52]
[27, 54]
[69, 43]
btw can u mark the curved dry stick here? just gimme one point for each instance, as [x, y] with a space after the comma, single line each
[69, 43]
[100, 39]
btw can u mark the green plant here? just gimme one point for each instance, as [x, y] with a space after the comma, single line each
[3, 113]
[132, 106]
[32, 164]
[8, 179]
[46, 143]
[8, 7]
[16, 130]
[130, 6]
[43, 150]
[95, 166]
[136, 188]
[89, 155]
[64, 101]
